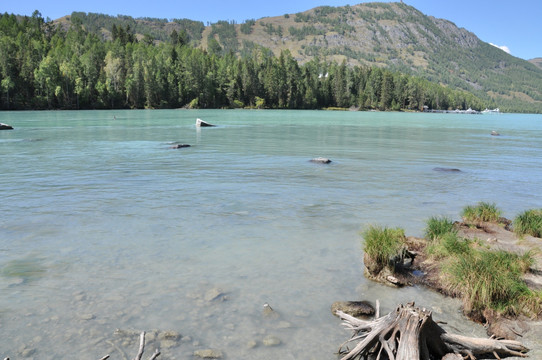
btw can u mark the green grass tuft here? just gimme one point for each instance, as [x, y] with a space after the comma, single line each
[529, 223]
[482, 211]
[383, 244]
[438, 226]
[493, 279]
[448, 245]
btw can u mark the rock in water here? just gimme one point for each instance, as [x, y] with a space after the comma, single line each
[446, 169]
[320, 160]
[268, 312]
[5, 127]
[214, 294]
[271, 341]
[201, 123]
[209, 354]
[180, 146]
[353, 308]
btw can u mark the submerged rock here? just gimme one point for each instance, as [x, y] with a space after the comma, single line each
[214, 294]
[446, 169]
[271, 341]
[87, 316]
[209, 354]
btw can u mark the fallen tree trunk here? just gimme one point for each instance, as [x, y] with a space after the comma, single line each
[409, 333]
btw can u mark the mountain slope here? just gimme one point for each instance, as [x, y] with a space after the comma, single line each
[537, 62]
[399, 37]
[392, 35]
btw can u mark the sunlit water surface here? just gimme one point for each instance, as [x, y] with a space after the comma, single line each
[103, 226]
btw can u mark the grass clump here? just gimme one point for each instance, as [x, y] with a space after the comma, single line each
[481, 212]
[493, 279]
[529, 222]
[382, 244]
[439, 226]
[449, 245]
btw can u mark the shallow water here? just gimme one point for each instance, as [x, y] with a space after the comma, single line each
[105, 227]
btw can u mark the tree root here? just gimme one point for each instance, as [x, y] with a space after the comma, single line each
[409, 333]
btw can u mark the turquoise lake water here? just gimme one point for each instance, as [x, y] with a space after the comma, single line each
[103, 226]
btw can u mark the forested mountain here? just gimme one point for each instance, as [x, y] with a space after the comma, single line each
[398, 37]
[372, 56]
[45, 65]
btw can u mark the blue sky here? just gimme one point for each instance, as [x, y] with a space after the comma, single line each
[514, 24]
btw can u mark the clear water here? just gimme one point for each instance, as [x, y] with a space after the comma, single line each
[103, 226]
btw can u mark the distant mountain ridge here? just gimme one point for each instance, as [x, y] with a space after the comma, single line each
[392, 35]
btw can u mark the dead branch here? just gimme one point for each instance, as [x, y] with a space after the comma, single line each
[140, 352]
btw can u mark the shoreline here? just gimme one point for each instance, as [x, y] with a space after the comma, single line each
[417, 267]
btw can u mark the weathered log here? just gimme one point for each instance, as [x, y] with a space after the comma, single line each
[409, 333]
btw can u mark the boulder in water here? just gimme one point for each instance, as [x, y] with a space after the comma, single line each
[201, 123]
[180, 146]
[320, 160]
[5, 127]
[353, 308]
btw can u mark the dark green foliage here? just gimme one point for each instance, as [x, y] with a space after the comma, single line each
[156, 28]
[529, 223]
[301, 33]
[246, 27]
[227, 35]
[272, 30]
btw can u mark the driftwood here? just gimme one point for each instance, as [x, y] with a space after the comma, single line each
[141, 349]
[409, 333]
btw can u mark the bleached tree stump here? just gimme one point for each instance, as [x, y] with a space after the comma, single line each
[409, 333]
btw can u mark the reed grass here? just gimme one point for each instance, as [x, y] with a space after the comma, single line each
[529, 223]
[482, 211]
[383, 244]
[437, 226]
